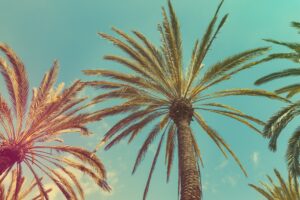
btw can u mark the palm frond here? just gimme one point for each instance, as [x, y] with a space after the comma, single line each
[293, 153]
[277, 123]
[18, 188]
[21, 78]
[289, 56]
[233, 116]
[290, 89]
[126, 121]
[151, 136]
[42, 190]
[227, 76]
[152, 167]
[278, 75]
[295, 25]
[205, 44]
[235, 111]
[218, 140]
[231, 63]
[12, 86]
[294, 46]
[197, 151]
[133, 129]
[285, 190]
[170, 148]
[243, 92]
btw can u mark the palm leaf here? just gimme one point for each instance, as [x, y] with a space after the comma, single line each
[292, 154]
[277, 75]
[293, 46]
[285, 190]
[243, 92]
[152, 167]
[230, 63]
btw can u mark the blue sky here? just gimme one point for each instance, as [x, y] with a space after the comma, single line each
[41, 31]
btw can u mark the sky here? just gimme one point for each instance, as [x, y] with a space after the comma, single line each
[41, 31]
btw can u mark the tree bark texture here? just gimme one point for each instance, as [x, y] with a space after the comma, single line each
[190, 176]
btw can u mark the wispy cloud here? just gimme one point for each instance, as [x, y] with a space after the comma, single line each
[231, 180]
[209, 187]
[222, 165]
[255, 158]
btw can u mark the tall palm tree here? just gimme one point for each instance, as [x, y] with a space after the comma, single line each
[280, 120]
[23, 193]
[160, 89]
[285, 190]
[32, 138]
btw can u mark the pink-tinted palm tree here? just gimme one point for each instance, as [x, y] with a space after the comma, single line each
[30, 130]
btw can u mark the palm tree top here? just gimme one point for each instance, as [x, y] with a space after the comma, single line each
[160, 91]
[30, 135]
[283, 190]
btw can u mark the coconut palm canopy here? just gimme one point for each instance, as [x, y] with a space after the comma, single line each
[282, 190]
[162, 92]
[30, 135]
[281, 119]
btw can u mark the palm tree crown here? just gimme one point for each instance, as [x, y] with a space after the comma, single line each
[285, 190]
[280, 120]
[30, 138]
[161, 90]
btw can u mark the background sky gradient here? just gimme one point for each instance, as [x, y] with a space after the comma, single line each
[41, 31]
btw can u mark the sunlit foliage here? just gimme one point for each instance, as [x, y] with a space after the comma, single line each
[30, 133]
[283, 190]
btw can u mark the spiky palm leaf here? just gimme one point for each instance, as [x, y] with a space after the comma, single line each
[30, 138]
[285, 190]
[162, 92]
[294, 56]
[280, 120]
[24, 191]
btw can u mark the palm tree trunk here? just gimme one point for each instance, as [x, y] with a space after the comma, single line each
[189, 173]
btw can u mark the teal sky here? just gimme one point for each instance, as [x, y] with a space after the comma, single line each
[41, 31]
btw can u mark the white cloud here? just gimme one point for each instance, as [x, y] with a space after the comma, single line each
[222, 165]
[255, 158]
[231, 180]
[208, 187]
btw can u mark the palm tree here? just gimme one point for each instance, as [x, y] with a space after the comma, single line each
[160, 90]
[280, 120]
[24, 191]
[32, 138]
[285, 190]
